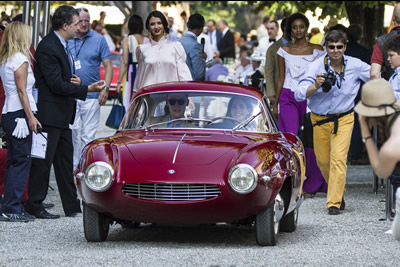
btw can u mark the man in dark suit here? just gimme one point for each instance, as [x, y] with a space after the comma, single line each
[58, 89]
[226, 47]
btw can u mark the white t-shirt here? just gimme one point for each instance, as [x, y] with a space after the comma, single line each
[7, 72]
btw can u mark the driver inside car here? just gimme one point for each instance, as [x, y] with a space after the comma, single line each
[174, 109]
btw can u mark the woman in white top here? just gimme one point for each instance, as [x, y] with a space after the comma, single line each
[18, 120]
[160, 60]
[293, 61]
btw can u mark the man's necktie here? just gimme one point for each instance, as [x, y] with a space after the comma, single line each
[272, 40]
[211, 38]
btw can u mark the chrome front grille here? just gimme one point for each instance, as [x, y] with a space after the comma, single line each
[171, 192]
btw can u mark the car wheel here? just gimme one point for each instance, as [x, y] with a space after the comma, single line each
[267, 227]
[289, 222]
[95, 225]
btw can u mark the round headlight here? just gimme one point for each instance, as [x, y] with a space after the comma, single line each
[243, 178]
[99, 176]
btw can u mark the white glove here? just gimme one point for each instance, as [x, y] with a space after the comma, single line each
[21, 130]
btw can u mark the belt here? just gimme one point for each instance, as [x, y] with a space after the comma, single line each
[332, 117]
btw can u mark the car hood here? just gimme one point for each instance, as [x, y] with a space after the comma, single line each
[183, 148]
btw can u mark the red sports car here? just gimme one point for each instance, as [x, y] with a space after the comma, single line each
[194, 153]
[116, 59]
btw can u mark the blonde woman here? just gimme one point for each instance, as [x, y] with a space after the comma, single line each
[160, 60]
[18, 120]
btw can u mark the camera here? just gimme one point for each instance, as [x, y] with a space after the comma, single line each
[330, 79]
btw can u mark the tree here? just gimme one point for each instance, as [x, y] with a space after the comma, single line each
[369, 14]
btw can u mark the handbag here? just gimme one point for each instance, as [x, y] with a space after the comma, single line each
[116, 115]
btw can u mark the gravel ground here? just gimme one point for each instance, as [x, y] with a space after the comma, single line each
[354, 238]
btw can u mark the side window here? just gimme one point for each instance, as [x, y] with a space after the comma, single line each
[139, 115]
[270, 121]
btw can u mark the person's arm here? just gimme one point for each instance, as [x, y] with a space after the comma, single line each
[21, 78]
[198, 63]
[108, 69]
[181, 67]
[279, 84]
[375, 72]
[384, 161]
[139, 78]
[269, 74]
[124, 63]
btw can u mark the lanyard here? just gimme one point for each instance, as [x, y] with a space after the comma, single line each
[77, 53]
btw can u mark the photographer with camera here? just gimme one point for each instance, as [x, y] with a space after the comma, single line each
[331, 85]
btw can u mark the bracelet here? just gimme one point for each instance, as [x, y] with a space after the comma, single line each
[364, 139]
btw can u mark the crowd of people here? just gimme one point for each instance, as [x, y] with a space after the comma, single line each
[314, 78]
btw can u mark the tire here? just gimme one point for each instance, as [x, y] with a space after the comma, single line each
[266, 226]
[95, 225]
[289, 222]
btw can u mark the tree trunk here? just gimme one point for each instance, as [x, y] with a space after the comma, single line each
[372, 26]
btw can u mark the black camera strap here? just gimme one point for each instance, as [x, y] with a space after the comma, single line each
[341, 73]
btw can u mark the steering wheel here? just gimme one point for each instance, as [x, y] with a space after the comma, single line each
[224, 118]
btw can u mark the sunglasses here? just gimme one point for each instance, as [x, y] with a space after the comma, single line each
[181, 102]
[331, 47]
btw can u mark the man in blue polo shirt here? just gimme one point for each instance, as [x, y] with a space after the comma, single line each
[88, 49]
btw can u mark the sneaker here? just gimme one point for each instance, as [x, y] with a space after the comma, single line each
[31, 217]
[12, 217]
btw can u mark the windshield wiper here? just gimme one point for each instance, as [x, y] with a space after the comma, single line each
[245, 122]
[190, 119]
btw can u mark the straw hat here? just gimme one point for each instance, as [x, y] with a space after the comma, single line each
[377, 99]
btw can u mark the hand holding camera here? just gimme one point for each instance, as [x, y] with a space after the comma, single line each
[330, 80]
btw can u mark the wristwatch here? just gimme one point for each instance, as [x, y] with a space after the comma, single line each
[107, 89]
[364, 139]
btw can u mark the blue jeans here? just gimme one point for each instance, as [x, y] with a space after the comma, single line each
[18, 164]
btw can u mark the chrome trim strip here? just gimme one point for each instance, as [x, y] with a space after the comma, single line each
[177, 148]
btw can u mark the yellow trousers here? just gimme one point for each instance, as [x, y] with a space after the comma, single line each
[331, 153]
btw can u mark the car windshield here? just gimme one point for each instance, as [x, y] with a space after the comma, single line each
[197, 110]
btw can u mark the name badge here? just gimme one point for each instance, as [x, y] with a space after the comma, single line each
[77, 64]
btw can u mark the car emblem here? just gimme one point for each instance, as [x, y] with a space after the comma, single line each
[171, 171]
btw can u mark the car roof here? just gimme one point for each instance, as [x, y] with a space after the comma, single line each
[201, 86]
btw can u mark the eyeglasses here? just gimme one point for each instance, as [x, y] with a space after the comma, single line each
[338, 47]
[181, 102]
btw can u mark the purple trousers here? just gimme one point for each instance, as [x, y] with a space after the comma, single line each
[291, 114]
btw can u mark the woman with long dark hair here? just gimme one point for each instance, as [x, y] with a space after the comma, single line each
[160, 60]
[293, 61]
[127, 71]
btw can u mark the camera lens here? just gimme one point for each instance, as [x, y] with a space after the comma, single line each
[326, 87]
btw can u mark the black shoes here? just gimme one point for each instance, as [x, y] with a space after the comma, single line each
[333, 210]
[343, 204]
[44, 214]
[47, 205]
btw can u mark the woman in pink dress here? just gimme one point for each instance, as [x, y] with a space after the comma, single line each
[160, 60]
[127, 71]
[293, 61]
